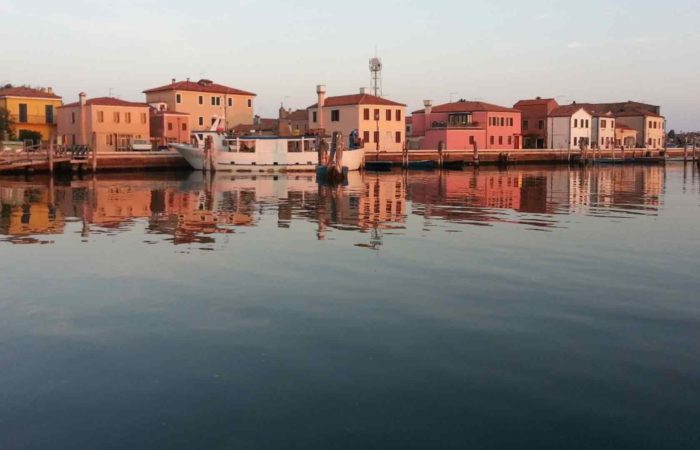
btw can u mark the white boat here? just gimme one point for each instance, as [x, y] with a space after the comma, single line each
[259, 153]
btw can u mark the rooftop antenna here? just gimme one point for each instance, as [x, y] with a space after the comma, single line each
[375, 68]
[111, 92]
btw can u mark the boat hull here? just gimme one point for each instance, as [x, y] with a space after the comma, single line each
[274, 162]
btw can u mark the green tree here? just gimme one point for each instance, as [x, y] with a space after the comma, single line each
[28, 135]
[672, 134]
[6, 125]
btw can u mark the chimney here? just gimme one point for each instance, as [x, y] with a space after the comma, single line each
[428, 108]
[188, 79]
[321, 91]
[363, 90]
[82, 97]
[49, 90]
[172, 81]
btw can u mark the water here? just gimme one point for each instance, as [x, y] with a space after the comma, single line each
[528, 308]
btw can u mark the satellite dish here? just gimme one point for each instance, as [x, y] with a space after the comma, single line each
[375, 64]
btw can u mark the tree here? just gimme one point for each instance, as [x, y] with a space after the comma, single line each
[672, 134]
[6, 125]
[29, 135]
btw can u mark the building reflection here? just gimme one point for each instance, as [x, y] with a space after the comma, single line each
[192, 208]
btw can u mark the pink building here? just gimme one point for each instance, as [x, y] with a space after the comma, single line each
[169, 127]
[105, 124]
[534, 125]
[463, 124]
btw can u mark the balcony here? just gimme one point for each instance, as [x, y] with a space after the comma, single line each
[18, 120]
[454, 125]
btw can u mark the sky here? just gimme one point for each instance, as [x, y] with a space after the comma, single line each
[498, 51]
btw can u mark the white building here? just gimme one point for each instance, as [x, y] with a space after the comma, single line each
[569, 127]
[603, 130]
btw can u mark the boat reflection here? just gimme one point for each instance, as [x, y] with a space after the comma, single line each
[193, 208]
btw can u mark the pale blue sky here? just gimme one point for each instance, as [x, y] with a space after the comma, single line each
[496, 51]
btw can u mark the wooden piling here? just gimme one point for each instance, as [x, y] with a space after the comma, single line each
[50, 155]
[476, 154]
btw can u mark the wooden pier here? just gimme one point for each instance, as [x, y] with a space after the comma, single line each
[47, 158]
[475, 157]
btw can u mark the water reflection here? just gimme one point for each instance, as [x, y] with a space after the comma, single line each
[191, 208]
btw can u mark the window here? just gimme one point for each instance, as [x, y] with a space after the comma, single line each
[588, 123]
[23, 113]
[376, 114]
[109, 139]
[184, 127]
[376, 137]
[525, 125]
[398, 137]
[459, 119]
[503, 121]
[510, 122]
[398, 115]
[216, 101]
[100, 116]
[170, 126]
[500, 140]
[201, 121]
[315, 117]
[575, 141]
[230, 102]
[366, 114]
[72, 117]
[388, 114]
[250, 103]
[471, 140]
[127, 117]
[335, 115]
[540, 124]
[366, 135]
[178, 98]
[213, 120]
[201, 99]
[117, 117]
[612, 124]
[144, 118]
[493, 140]
[510, 140]
[575, 123]
[603, 124]
[48, 113]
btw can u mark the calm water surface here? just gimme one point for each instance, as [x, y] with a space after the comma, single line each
[527, 308]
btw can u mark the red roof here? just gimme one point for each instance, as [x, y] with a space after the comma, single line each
[199, 86]
[108, 101]
[620, 126]
[566, 111]
[299, 115]
[27, 92]
[356, 99]
[637, 113]
[534, 102]
[464, 106]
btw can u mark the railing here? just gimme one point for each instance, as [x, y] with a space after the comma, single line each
[449, 126]
[33, 119]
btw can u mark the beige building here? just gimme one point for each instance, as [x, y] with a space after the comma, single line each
[380, 122]
[105, 124]
[205, 101]
[650, 127]
[625, 136]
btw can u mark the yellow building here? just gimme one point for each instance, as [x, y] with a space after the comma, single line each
[31, 109]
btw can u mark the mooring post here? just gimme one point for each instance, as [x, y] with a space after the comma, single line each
[50, 150]
[476, 153]
[94, 159]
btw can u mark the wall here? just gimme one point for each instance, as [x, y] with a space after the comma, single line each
[352, 117]
[563, 134]
[165, 135]
[506, 137]
[103, 136]
[36, 114]
[239, 113]
[603, 137]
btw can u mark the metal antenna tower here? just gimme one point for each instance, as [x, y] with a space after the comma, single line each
[375, 68]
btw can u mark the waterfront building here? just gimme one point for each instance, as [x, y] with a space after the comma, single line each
[462, 125]
[650, 127]
[205, 101]
[625, 136]
[602, 130]
[569, 127]
[32, 110]
[380, 122]
[168, 127]
[105, 124]
[534, 114]
[294, 123]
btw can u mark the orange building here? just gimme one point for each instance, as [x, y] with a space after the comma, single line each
[31, 110]
[105, 124]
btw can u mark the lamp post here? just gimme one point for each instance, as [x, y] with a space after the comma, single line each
[376, 118]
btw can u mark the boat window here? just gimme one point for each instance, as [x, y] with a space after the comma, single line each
[247, 147]
[309, 146]
[293, 146]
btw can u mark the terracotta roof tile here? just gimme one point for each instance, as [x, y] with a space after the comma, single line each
[356, 99]
[27, 92]
[199, 86]
[108, 101]
[534, 102]
[464, 106]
